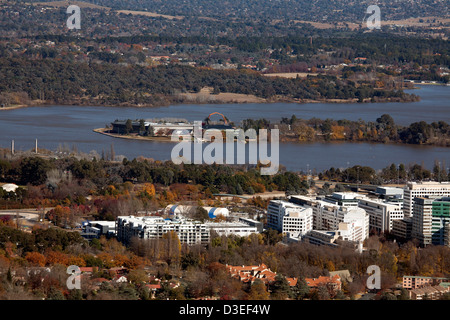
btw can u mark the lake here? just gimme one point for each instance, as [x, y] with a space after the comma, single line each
[56, 126]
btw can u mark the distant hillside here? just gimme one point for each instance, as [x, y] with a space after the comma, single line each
[316, 10]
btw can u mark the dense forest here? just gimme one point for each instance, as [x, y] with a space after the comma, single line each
[112, 84]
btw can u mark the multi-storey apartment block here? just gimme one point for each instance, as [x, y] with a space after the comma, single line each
[189, 232]
[415, 282]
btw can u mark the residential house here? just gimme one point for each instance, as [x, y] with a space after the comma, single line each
[332, 282]
[417, 282]
[428, 293]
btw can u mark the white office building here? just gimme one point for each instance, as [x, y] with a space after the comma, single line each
[344, 199]
[316, 237]
[389, 192]
[422, 220]
[240, 229]
[152, 227]
[423, 189]
[350, 231]
[327, 215]
[287, 217]
[347, 231]
[381, 213]
[189, 232]
[359, 224]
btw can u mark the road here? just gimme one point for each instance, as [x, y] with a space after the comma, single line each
[27, 217]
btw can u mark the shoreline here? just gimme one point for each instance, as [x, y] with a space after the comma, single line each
[20, 106]
[205, 99]
[142, 138]
[293, 141]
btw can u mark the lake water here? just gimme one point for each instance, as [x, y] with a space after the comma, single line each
[70, 126]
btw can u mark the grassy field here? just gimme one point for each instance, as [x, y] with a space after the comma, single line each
[81, 4]
[205, 96]
[290, 74]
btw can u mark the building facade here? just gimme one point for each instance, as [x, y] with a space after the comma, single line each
[240, 229]
[440, 219]
[402, 228]
[96, 229]
[150, 227]
[429, 293]
[327, 215]
[421, 220]
[189, 232]
[423, 189]
[431, 217]
[287, 217]
[416, 282]
[382, 213]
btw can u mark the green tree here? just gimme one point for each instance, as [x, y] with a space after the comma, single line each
[55, 294]
[281, 289]
[75, 294]
[128, 126]
[34, 170]
[302, 288]
[404, 294]
[388, 296]
[201, 214]
[142, 125]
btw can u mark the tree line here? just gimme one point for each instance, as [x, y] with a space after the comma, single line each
[113, 84]
[103, 190]
[383, 130]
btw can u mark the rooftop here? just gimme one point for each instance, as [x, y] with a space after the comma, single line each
[422, 277]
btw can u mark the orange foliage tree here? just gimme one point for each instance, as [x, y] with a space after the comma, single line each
[149, 190]
[338, 132]
[56, 257]
[35, 259]
[59, 215]
[76, 261]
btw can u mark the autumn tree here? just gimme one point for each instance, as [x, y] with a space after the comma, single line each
[148, 190]
[56, 257]
[137, 276]
[35, 259]
[258, 291]
[303, 131]
[171, 247]
[59, 215]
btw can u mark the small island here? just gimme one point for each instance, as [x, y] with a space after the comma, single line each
[382, 130]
